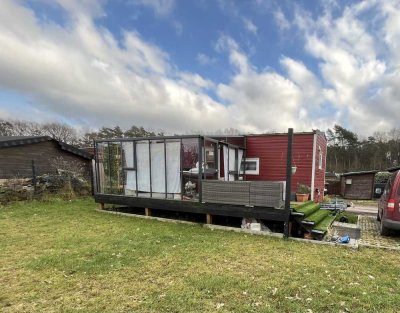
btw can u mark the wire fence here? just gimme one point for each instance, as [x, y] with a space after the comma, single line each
[27, 169]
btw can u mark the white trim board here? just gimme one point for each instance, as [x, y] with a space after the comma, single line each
[313, 166]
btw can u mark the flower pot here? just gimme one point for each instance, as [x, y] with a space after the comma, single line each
[302, 197]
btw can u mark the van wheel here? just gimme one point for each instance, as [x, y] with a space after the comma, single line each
[384, 231]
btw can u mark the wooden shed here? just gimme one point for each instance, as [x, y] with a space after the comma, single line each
[357, 185]
[25, 156]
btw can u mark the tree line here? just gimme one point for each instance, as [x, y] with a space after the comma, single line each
[347, 152]
[70, 135]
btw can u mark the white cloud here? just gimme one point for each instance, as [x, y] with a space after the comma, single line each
[249, 26]
[160, 7]
[237, 58]
[263, 101]
[195, 81]
[346, 49]
[310, 86]
[204, 59]
[82, 73]
[281, 20]
[259, 101]
[178, 27]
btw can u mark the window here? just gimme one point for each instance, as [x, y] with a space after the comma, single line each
[250, 166]
[320, 159]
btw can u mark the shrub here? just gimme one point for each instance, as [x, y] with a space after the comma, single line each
[303, 189]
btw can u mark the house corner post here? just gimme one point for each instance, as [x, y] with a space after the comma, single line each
[288, 183]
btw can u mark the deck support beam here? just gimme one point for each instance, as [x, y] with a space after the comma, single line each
[209, 218]
[101, 205]
[147, 211]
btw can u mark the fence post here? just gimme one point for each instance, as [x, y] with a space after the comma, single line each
[34, 175]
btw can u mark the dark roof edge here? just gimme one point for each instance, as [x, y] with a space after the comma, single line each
[74, 150]
[19, 141]
[23, 141]
[393, 169]
[285, 134]
[359, 173]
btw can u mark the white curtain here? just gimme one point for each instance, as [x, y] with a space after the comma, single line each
[240, 159]
[127, 147]
[226, 169]
[157, 167]
[232, 163]
[173, 160]
[142, 162]
[173, 167]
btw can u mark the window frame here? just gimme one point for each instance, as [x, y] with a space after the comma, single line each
[243, 170]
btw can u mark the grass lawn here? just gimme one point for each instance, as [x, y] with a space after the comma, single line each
[59, 256]
[351, 217]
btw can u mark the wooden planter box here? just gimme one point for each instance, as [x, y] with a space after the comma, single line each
[302, 197]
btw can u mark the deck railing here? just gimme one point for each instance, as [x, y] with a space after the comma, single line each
[248, 193]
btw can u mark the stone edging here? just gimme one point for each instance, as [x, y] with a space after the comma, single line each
[234, 229]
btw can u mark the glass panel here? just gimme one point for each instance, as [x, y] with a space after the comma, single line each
[173, 161]
[102, 168]
[127, 155]
[232, 163]
[114, 162]
[157, 168]
[130, 182]
[143, 168]
[190, 154]
[190, 168]
[210, 160]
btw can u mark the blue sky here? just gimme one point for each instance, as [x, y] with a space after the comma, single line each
[189, 66]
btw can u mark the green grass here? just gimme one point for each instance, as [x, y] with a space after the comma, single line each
[317, 216]
[59, 256]
[325, 223]
[307, 208]
[352, 217]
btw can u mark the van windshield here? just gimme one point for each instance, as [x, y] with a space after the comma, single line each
[389, 184]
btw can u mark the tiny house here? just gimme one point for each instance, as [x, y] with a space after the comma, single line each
[239, 176]
[308, 157]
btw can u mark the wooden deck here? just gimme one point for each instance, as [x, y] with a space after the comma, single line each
[267, 213]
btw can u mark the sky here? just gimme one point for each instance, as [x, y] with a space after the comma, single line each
[201, 66]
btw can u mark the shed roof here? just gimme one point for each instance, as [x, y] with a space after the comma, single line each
[13, 141]
[393, 169]
[359, 173]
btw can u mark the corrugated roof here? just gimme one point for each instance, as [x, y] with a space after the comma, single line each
[13, 141]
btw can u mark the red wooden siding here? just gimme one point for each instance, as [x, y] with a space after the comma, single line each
[272, 150]
[319, 179]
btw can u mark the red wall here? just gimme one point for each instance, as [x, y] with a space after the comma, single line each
[272, 151]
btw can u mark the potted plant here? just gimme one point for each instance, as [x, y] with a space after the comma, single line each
[302, 193]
